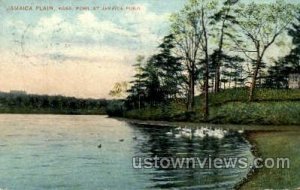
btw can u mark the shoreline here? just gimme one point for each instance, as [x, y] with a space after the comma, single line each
[252, 132]
[247, 127]
[255, 152]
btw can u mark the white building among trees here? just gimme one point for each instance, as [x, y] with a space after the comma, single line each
[294, 81]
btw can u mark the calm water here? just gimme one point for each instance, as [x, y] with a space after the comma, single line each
[61, 152]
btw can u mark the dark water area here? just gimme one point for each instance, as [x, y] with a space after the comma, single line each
[62, 152]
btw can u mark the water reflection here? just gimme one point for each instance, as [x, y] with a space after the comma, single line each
[158, 143]
[61, 152]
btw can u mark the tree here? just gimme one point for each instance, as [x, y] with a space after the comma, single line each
[137, 89]
[279, 73]
[169, 68]
[192, 28]
[293, 59]
[233, 70]
[226, 19]
[186, 28]
[153, 91]
[261, 24]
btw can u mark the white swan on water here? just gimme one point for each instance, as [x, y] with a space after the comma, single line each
[241, 131]
[200, 132]
[170, 133]
[218, 133]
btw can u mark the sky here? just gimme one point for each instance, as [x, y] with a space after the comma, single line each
[79, 53]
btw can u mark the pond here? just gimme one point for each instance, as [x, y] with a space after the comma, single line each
[96, 152]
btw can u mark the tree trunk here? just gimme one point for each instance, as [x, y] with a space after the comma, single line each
[206, 75]
[206, 112]
[254, 78]
[139, 102]
[219, 59]
[191, 93]
[217, 79]
[212, 84]
[189, 101]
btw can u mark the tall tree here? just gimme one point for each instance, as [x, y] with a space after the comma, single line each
[137, 89]
[169, 68]
[192, 28]
[224, 19]
[261, 24]
[153, 91]
[293, 59]
[205, 47]
[186, 28]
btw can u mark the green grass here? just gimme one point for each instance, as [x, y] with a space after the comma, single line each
[241, 95]
[271, 107]
[277, 145]
[275, 113]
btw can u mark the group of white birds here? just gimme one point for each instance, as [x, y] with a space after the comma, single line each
[199, 132]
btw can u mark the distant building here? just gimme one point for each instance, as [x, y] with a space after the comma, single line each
[18, 92]
[294, 81]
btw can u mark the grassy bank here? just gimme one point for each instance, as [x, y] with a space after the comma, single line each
[271, 107]
[266, 113]
[278, 145]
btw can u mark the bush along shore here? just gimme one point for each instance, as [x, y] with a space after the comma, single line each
[270, 107]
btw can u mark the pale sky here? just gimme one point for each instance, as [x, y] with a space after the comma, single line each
[78, 53]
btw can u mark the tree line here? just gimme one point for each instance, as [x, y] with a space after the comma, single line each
[10, 102]
[214, 45]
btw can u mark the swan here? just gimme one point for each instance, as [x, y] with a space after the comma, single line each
[169, 133]
[187, 134]
[219, 133]
[199, 133]
[187, 130]
[215, 133]
[241, 131]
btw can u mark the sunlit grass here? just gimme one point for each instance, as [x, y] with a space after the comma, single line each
[277, 145]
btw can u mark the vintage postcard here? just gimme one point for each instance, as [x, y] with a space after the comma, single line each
[149, 94]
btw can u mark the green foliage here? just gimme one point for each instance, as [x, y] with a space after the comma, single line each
[115, 108]
[218, 42]
[279, 73]
[171, 112]
[11, 103]
[158, 79]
